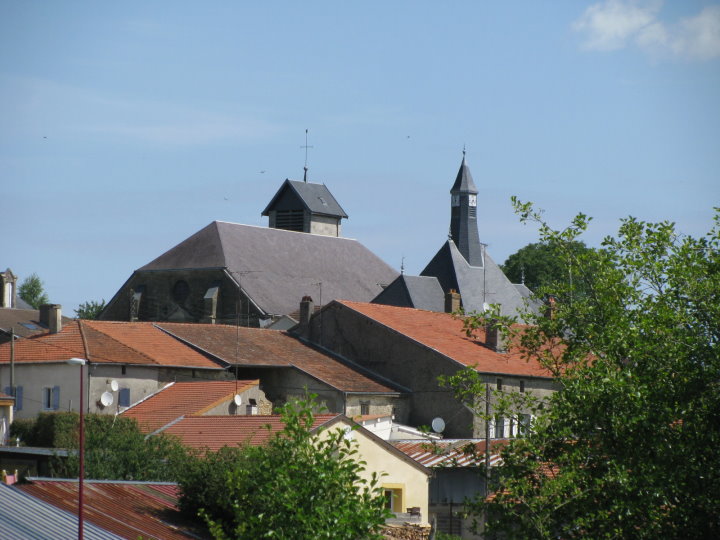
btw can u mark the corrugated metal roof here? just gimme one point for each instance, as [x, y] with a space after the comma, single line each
[127, 509]
[25, 517]
[450, 452]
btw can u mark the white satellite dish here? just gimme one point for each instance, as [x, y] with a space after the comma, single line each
[106, 399]
[114, 385]
[438, 425]
[237, 399]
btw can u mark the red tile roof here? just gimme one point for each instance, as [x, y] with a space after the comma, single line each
[108, 342]
[127, 509]
[214, 432]
[444, 333]
[183, 399]
[262, 347]
[450, 452]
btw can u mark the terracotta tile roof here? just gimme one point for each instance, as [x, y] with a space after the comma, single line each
[262, 347]
[108, 342]
[127, 509]
[450, 452]
[214, 432]
[183, 399]
[443, 333]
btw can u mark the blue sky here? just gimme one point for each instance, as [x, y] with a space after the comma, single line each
[127, 126]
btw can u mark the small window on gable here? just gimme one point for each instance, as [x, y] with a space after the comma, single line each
[522, 386]
[364, 407]
[498, 384]
[123, 370]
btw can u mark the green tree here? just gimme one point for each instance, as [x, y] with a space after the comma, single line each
[32, 291]
[628, 447]
[541, 264]
[301, 485]
[90, 310]
[115, 448]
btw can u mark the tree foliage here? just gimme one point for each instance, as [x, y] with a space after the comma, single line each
[115, 448]
[541, 264]
[628, 447]
[301, 485]
[90, 310]
[33, 292]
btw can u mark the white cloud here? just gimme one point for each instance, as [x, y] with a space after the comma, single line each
[616, 24]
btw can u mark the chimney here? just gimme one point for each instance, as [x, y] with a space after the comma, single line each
[307, 307]
[452, 301]
[494, 338]
[51, 316]
[550, 310]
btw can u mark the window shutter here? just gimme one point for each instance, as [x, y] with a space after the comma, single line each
[56, 398]
[8, 390]
[18, 398]
[124, 397]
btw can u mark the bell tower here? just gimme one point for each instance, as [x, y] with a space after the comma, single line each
[463, 216]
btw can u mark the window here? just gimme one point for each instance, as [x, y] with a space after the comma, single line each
[522, 386]
[251, 407]
[524, 424]
[364, 407]
[290, 220]
[499, 427]
[394, 497]
[123, 370]
[51, 398]
[124, 397]
[498, 384]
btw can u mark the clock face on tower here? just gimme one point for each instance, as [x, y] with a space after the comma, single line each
[472, 199]
[455, 199]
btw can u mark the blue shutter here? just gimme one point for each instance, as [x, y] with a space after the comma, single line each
[18, 398]
[124, 397]
[56, 398]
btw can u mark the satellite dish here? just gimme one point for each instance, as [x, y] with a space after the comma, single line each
[237, 399]
[106, 399]
[438, 425]
[114, 385]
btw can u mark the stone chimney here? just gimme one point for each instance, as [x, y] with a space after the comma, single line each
[494, 338]
[551, 307]
[51, 316]
[8, 282]
[307, 306]
[452, 301]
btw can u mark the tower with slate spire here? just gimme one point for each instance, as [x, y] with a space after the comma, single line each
[463, 216]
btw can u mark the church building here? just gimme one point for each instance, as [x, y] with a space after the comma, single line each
[230, 273]
[461, 265]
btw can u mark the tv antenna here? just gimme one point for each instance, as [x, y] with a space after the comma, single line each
[305, 168]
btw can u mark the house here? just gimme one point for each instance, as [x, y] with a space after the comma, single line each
[459, 472]
[125, 362]
[413, 347]
[404, 480]
[111, 509]
[181, 399]
[252, 276]
[289, 367]
[462, 265]
[129, 362]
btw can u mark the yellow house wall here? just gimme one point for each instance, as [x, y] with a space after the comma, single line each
[399, 473]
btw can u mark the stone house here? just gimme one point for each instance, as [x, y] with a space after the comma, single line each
[413, 347]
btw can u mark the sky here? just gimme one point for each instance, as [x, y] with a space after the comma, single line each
[125, 127]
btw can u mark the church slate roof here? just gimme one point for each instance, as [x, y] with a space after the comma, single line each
[464, 180]
[276, 268]
[478, 285]
[420, 292]
[316, 198]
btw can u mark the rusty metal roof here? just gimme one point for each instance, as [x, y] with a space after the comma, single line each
[450, 452]
[127, 509]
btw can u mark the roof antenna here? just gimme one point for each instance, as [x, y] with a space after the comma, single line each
[305, 168]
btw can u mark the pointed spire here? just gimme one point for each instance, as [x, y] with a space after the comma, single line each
[463, 180]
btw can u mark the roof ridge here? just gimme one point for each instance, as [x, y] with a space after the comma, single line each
[222, 243]
[86, 347]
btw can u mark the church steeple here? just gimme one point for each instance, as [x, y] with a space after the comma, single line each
[463, 216]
